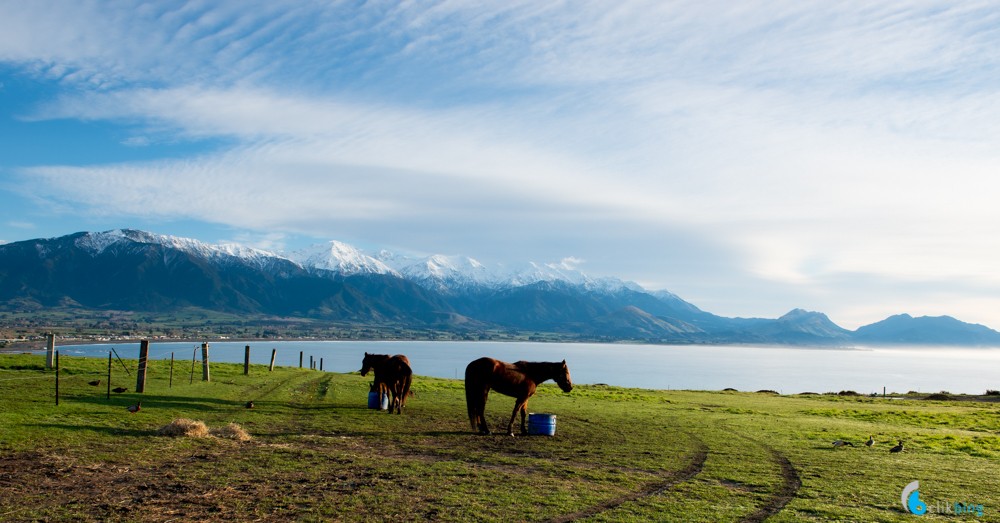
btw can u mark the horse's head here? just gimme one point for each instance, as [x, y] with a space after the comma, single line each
[371, 361]
[562, 378]
[367, 364]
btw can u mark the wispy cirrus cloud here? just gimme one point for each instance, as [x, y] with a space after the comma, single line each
[800, 146]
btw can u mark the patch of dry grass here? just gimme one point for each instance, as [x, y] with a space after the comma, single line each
[232, 431]
[184, 427]
[197, 429]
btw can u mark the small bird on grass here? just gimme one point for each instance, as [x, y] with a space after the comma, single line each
[897, 448]
[134, 408]
[119, 390]
[842, 443]
[870, 442]
[94, 383]
[249, 404]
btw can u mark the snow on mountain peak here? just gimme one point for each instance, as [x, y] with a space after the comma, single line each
[97, 242]
[450, 267]
[439, 270]
[341, 258]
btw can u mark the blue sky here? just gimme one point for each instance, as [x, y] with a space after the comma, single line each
[752, 157]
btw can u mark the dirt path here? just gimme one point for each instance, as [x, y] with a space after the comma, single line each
[670, 479]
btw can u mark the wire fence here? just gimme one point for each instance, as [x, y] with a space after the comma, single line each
[79, 380]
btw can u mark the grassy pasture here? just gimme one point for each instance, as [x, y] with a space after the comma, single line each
[318, 454]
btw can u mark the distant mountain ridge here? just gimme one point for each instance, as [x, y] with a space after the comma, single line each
[136, 270]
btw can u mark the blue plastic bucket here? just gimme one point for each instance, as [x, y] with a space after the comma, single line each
[374, 403]
[542, 424]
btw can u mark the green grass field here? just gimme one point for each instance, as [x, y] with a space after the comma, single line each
[318, 454]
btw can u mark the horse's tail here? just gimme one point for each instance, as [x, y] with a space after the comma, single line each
[406, 380]
[475, 399]
[470, 402]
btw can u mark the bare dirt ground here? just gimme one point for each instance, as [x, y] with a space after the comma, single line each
[35, 484]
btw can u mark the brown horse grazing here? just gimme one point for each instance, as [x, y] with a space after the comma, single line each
[513, 379]
[392, 375]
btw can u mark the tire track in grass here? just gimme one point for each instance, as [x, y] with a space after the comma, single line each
[671, 479]
[790, 485]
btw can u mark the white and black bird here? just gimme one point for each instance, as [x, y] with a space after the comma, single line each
[897, 448]
[870, 442]
[842, 443]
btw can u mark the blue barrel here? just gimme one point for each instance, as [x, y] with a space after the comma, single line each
[542, 424]
[374, 403]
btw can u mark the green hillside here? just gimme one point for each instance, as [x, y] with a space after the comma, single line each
[316, 453]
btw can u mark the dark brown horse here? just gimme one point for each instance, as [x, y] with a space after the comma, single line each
[513, 379]
[392, 375]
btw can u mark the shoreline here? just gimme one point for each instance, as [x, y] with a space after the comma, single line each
[912, 395]
[40, 344]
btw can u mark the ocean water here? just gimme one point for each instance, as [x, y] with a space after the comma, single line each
[787, 370]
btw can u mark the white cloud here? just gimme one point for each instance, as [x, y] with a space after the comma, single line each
[268, 241]
[805, 143]
[570, 263]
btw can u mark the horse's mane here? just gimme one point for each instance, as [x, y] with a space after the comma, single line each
[536, 368]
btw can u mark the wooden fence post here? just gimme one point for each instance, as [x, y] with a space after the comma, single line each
[140, 375]
[57, 377]
[171, 385]
[50, 347]
[246, 361]
[300, 359]
[321, 364]
[206, 374]
[273, 352]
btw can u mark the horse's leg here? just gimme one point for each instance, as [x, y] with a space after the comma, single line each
[399, 387]
[481, 411]
[519, 406]
[404, 390]
[524, 410]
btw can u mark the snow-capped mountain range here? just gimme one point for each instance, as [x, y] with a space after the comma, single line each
[97, 242]
[128, 269]
[439, 272]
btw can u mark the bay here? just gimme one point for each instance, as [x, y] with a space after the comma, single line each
[787, 370]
